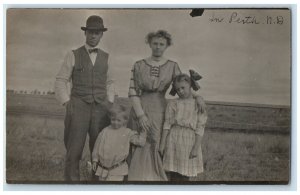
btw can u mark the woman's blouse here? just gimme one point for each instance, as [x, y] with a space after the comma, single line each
[149, 78]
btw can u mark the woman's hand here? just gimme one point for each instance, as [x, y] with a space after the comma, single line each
[144, 122]
[194, 153]
[94, 166]
[200, 104]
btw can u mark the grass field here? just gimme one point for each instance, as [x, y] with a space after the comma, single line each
[35, 152]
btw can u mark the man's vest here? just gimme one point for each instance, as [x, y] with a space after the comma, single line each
[89, 82]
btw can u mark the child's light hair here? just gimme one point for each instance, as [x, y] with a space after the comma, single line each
[118, 110]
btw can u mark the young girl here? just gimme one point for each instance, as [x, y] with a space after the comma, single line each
[112, 147]
[182, 132]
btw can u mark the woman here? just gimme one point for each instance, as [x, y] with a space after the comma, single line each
[150, 79]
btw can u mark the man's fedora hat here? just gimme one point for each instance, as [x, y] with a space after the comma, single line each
[94, 23]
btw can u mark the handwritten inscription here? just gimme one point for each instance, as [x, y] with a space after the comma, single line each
[235, 18]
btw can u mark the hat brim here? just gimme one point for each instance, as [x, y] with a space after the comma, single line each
[101, 29]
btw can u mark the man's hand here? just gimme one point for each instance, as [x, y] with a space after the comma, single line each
[66, 103]
[94, 165]
[110, 105]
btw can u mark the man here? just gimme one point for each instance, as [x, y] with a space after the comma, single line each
[92, 94]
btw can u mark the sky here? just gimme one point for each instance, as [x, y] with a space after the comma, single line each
[246, 63]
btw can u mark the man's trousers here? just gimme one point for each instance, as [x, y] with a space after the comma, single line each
[81, 119]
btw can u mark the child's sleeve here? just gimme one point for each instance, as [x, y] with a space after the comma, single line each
[201, 121]
[136, 138]
[170, 115]
[96, 147]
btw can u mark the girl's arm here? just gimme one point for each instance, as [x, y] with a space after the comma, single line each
[169, 120]
[195, 149]
[163, 141]
[199, 132]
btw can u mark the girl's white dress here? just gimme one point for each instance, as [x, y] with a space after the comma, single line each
[112, 147]
[183, 121]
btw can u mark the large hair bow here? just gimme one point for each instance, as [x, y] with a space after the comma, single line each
[194, 78]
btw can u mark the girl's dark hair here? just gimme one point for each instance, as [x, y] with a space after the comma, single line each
[180, 78]
[159, 33]
[118, 109]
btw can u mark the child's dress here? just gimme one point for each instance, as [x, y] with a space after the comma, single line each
[183, 121]
[111, 150]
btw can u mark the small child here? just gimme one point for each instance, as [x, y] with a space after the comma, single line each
[182, 132]
[112, 147]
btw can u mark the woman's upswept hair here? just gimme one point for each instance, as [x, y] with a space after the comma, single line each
[159, 33]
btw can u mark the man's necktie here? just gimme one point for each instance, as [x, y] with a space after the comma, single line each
[93, 50]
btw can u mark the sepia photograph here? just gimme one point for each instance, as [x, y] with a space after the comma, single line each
[148, 96]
